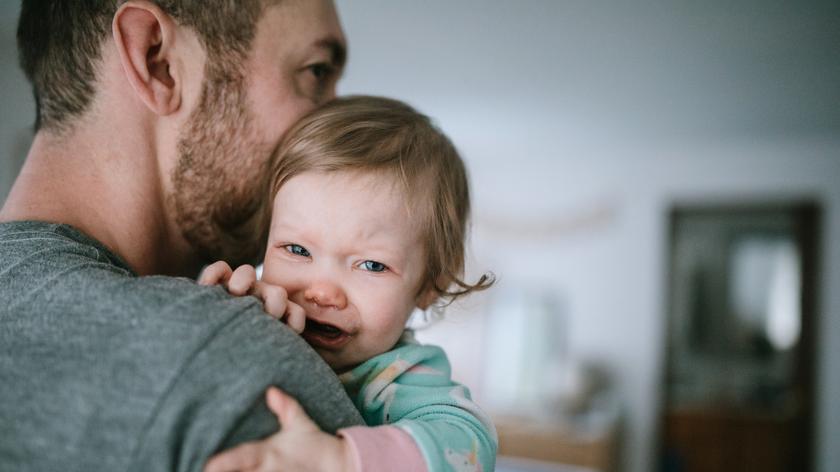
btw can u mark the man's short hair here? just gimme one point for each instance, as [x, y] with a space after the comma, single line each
[60, 42]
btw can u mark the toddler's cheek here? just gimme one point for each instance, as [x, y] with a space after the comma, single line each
[276, 273]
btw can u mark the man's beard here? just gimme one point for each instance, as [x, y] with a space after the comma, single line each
[219, 180]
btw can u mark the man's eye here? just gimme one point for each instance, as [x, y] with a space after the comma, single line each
[318, 81]
[297, 250]
[374, 266]
[321, 71]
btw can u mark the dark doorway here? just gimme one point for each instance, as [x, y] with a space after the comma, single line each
[738, 385]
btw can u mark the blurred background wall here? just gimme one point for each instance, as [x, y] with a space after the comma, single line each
[17, 109]
[582, 123]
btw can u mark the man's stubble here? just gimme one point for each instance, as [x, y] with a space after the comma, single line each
[220, 178]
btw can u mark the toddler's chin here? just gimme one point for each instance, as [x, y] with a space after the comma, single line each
[340, 364]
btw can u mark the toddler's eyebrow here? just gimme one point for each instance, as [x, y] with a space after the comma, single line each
[285, 227]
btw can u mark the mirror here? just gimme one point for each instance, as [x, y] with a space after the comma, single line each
[738, 384]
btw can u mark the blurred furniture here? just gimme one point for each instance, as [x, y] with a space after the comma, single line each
[585, 440]
[721, 440]
[739, 367]
[514, 464]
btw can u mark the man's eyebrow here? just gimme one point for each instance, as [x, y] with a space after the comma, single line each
[338, 52]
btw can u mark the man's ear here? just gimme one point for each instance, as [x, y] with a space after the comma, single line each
[144, 36]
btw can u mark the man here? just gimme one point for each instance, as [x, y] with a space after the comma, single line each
[155, 122]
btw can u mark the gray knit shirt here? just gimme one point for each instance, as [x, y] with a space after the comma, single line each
[103, 370]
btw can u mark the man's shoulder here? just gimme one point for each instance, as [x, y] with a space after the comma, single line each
[159, 371]
[57, 280]
[52, 267]
[172, 300]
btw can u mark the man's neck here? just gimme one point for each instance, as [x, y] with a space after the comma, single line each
[108, 190]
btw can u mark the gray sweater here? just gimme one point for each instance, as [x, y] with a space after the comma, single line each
[104, 370]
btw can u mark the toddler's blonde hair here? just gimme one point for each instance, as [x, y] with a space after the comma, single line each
[375, 134]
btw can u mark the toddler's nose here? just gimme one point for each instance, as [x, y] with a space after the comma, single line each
[326, 294]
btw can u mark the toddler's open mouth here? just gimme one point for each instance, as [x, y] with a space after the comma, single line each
[324, 335]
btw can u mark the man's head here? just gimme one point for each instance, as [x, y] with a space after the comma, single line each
[266, 63]
[60, 46]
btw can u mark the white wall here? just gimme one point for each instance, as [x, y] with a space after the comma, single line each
[586, 121]
[612, 274]
[17, 111]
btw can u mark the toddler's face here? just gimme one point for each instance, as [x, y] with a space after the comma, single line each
[345, 248]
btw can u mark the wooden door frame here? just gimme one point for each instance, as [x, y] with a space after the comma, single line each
[807, 216]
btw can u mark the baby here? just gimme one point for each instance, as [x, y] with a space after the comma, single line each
[370, 207]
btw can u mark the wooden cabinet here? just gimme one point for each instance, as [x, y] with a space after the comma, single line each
[720, 440]
[555, 444]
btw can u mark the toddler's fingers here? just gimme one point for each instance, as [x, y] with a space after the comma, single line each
[295, 317]
[215, 273]
[288, 412]
[242, 280]
[274, 299]
[243, 457]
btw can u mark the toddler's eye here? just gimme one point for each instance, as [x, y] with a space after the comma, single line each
[374, 266]
[297, 250]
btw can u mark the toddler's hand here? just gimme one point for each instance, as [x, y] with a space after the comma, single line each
[300, 445]
[243, 281]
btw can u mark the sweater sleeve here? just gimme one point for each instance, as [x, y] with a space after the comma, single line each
[216, 399]
[410, 387]
[383, 448]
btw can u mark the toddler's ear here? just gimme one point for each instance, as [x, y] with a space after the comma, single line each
[428, 296]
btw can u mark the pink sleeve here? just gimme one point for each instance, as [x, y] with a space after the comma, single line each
[383, 448]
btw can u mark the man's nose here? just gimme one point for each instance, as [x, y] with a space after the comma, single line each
[326, 294]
